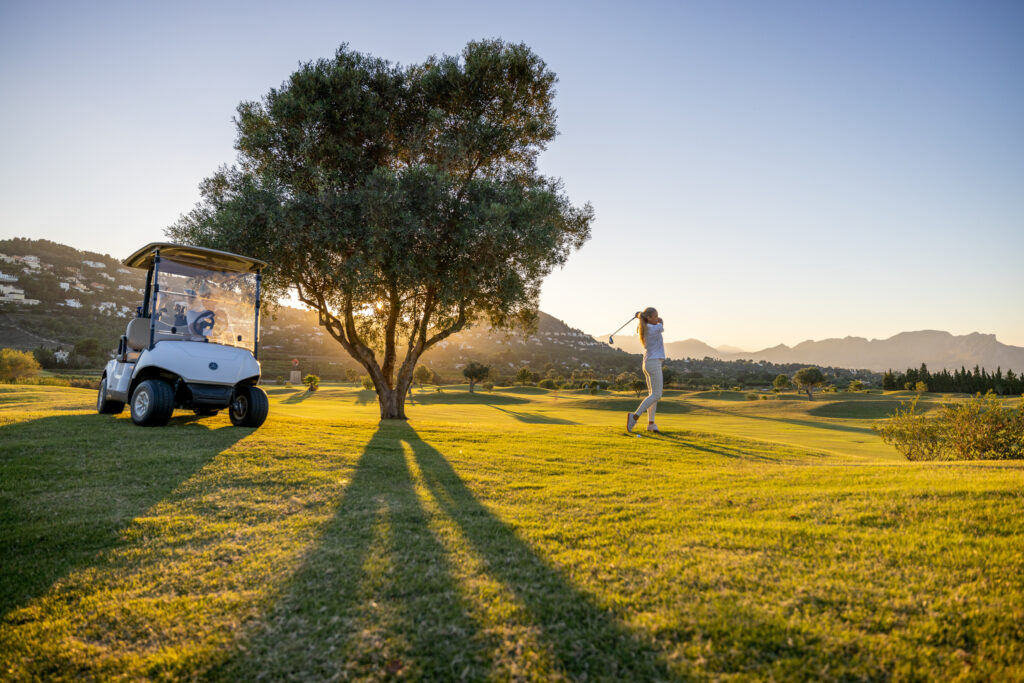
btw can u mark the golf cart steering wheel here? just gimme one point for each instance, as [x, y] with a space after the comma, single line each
[202, 323]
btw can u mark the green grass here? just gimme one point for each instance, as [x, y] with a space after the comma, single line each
[501, 535]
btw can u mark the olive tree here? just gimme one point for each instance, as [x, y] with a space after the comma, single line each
[807, 379]
[476, 372]
[402, 204]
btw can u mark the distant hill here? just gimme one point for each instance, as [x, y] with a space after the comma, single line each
[55, 296]
[688, 348]
[905, 350]
[938, 350]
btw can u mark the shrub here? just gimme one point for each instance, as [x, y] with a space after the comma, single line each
[547, 383]
[17, 365]
[367, 382]
[752, 396]
[488, 386]
[975, 429]
[312, 382]
[982, 429]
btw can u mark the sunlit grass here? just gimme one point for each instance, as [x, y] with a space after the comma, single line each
[505, 535]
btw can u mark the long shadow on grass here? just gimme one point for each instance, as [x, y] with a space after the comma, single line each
[587, 641]
[799, 423]
[378, 596]
[298, 397]
[719, 446]
[69, 484]
[530, 418]
[623, 405]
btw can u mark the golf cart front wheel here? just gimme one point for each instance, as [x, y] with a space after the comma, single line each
[249, 407]
[104, 405]
[152, 403]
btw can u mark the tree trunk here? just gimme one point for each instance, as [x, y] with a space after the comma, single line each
[471, 383]
[392, 403]
[809, 396]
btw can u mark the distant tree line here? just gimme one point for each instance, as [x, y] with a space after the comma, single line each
[962, 381]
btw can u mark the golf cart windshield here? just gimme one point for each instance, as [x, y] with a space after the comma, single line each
[200, 304]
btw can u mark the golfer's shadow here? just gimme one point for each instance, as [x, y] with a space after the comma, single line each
[381, 590]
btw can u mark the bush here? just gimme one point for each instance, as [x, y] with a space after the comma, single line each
[979, 428]
[17, 365]
[312, 382]
[752, 396]
[547, 384]
[368, 382]
[488, 386]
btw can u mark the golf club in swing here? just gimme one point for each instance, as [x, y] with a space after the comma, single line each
[611, 337]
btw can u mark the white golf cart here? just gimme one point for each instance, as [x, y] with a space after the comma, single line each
[195, 341]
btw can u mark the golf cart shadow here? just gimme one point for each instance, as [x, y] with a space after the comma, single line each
[81, 479]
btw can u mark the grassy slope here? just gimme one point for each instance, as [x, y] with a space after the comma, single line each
[519, 534]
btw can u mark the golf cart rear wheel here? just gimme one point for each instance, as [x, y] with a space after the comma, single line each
[249, 407]
[104, 405]
[152, 403]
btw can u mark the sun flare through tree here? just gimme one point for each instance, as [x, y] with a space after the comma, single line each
[401, 203]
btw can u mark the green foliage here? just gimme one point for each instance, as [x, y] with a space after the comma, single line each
[980, 428]
[401, 203]
[524, 375]
[855, 385]
[920, 387]
[367, 382]
[547, 383]
[639, 386]
[475, 372]
[17, 365]
[422, 375]
[807, 379]
[312, 382]
[781, 382]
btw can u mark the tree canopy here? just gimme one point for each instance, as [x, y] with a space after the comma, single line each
[807, 379]
[400, 203]
[476, 372]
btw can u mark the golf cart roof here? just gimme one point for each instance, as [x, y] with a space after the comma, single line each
[201, 257]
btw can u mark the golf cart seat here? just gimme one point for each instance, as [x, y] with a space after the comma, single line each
[135, 339]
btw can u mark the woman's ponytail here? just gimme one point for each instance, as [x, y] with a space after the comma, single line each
[642, 327]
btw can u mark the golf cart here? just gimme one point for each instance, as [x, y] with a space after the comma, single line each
[194, 341]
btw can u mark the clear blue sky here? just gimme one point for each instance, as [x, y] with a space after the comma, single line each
[762, 172]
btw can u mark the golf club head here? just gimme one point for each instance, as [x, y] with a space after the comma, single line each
[611, 340]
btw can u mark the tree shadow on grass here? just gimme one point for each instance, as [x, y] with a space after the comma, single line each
[799, 423]
[298, 396]
[531, 418]
[69, 484]
[466, 398]
[628, 405]
[717, 445]
[379, 596]
[586, 640]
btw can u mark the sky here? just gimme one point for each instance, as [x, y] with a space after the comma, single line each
[761, 172]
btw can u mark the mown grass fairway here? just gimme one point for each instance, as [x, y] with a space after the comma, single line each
[518, 534]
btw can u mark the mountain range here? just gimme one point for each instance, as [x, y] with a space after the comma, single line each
[934, 348]
[53, 295]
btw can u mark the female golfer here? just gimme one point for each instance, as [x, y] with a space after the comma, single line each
[650, 329]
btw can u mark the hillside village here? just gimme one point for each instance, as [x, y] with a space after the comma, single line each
[71, 307]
